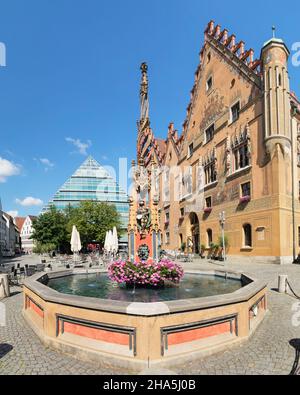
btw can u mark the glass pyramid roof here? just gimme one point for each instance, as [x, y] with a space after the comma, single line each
[91, 182]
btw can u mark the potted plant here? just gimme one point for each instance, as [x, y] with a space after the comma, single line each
[210, 252]
[202, 251]
[226, 243]
[183, 247]
[215, 252]
[145, 274]
[245, 199]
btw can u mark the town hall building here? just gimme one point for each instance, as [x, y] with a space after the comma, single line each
[237, 157]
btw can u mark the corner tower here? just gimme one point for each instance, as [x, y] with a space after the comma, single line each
[274, 58]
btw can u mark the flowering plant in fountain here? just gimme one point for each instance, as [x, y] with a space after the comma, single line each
[145, 273]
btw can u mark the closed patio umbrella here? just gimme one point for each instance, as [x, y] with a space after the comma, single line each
[115, 240]
[106, 242]
[75, 242]
[110, 241]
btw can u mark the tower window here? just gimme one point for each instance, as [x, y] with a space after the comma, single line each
[279, 80]
[209, 84]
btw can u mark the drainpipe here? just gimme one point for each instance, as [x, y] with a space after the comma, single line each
[294, 110]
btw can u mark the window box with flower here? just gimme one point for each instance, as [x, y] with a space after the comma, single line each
[245, 199]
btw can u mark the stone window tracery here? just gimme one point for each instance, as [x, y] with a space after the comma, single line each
[210, 168]
[241, 151]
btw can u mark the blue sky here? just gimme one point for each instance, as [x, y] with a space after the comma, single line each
[73, 72]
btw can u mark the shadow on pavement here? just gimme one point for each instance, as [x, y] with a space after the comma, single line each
[295, 343]
[5, 349]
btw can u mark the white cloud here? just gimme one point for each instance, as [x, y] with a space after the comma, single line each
[13, 213]
[46, 162]
[8, 169]
[82, 147]
[29, 201]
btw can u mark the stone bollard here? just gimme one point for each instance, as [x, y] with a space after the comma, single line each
[4, 286]
[282, 283]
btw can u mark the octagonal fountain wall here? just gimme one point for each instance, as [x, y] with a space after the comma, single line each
[136, 335]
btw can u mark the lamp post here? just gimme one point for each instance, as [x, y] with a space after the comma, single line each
[222, 220]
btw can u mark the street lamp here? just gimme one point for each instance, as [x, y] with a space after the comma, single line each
[222, 220]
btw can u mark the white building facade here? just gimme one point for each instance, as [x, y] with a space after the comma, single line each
[26, 231]
[10, 244]
[2, 233]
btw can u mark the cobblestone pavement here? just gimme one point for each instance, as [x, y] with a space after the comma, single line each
[267, 352]
[22, 353]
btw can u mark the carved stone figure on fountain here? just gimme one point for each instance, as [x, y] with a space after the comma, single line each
[143, 219]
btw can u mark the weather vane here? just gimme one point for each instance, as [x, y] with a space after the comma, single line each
[274, 31]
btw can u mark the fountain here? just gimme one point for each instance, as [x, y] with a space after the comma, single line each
[143, 312]
[154, 315]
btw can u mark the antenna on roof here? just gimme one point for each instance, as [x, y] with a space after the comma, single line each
[274, 31]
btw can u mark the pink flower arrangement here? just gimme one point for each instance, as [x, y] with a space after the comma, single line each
[245, 199]
[145, 273]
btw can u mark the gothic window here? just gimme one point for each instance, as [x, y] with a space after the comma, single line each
[241, 156]
[210, 172]
[247, 229]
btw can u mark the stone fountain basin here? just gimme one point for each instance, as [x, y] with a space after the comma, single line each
[138, 335]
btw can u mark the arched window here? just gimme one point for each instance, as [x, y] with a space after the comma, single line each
[209, 237]
[279, 80]
[247, 235]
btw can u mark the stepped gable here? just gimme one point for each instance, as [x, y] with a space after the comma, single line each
[236, 53]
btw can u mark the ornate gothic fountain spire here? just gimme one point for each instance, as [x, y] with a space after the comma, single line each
[144, 99]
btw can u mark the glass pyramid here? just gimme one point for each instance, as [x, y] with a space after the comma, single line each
[91, 182]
